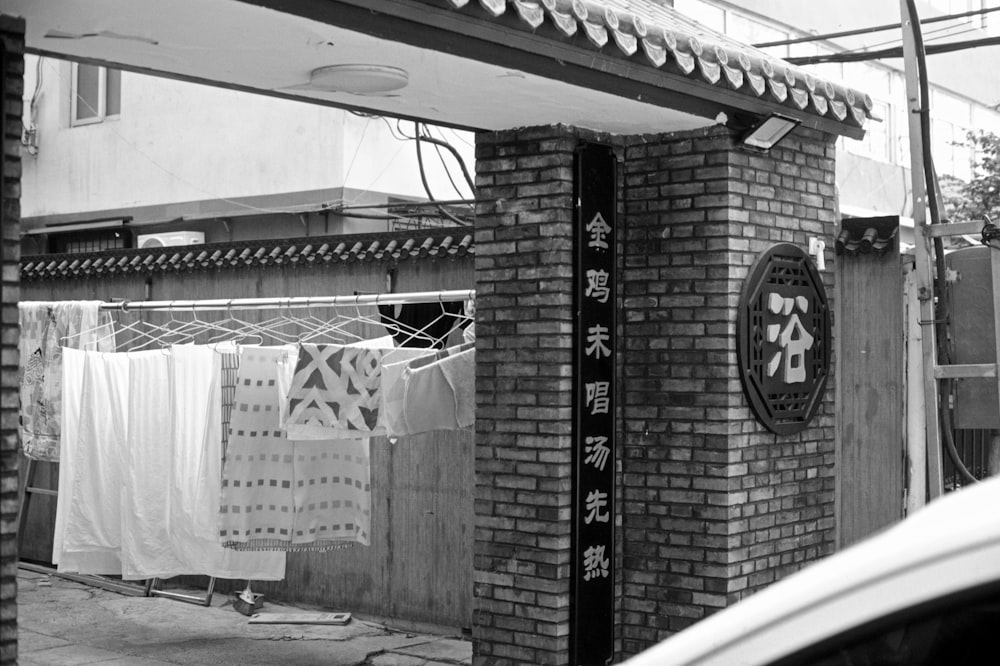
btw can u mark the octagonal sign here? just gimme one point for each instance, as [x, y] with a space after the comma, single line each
[783, 339]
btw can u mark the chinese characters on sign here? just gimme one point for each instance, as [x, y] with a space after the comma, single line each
[592, 637]
[783, 339]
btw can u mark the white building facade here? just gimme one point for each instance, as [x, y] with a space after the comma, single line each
[102, 146]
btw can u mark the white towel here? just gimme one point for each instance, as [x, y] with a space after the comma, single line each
[440, 395]
[147, 551]
[93, 562]
[94, 522]
[460, 372]
[196, 489]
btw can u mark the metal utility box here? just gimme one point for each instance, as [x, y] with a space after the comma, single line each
[970, 303]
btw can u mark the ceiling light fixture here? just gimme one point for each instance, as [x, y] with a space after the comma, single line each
[766, 134]
[358, 79]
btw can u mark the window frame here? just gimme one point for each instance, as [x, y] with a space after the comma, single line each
[102, 96]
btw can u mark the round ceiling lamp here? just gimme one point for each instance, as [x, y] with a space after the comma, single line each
[359, 79]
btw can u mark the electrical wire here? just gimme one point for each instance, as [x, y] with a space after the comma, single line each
[940, 33]
[357, 149]
[38, 89]
[423, 178]
[878, 28]
[895, 52]
[447, 172]
[461, 163]
[931, 186]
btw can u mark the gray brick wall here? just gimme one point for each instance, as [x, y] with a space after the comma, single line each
[524, 269]
[715, 506]
[12, 36]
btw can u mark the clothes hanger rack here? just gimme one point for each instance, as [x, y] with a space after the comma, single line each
[293, 302]
[177, 330]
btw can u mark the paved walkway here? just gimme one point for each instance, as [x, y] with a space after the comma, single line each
[64, 623]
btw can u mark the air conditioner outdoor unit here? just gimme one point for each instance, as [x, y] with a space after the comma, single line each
[168, 238]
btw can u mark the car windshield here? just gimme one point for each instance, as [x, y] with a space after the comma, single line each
[960, 629]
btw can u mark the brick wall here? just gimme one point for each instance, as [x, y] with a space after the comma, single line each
[524, 356]
[715, 506]
[12, 37]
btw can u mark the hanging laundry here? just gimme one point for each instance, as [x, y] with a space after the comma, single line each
[393, 389]
[283, 494]
[435, 392]
[196, 374]
[94, 521]
[147, 551]
[143, 450]
[79, 561]
[47, 327]
[230, 359]
[422, 324]
[335, 391]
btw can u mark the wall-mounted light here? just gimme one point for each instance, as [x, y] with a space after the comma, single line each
[766, 134]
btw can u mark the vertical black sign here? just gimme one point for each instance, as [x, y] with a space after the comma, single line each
[592, 606]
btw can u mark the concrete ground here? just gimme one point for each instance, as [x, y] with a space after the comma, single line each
[61, 622]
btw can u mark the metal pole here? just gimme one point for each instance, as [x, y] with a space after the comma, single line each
[924, 253]
[293, 301]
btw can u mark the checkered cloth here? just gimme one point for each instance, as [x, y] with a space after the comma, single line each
[285, 494]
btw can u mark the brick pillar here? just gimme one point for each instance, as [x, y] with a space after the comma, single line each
[12, 38]
[524, 387]
[715, 506]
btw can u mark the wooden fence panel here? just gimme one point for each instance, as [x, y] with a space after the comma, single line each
[870, 394]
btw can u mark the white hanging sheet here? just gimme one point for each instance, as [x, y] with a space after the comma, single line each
[433, 392]
[140, 493]
[78, 561]
[196, 488]
[94, 523]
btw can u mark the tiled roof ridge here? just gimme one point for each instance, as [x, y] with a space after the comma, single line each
[665, 38]
[871, 235]
[303, 251]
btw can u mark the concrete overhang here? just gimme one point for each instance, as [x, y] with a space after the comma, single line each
[620, 66]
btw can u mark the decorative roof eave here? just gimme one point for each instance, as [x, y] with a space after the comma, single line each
[870, 235]
[306, 252]
[641, 30]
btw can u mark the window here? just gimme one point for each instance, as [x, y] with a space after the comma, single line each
[950, 122]
[753, 32]
[827, 71]
[877, 143]
[77, 242]
[955, 6]
[97, 94]
[709, 16]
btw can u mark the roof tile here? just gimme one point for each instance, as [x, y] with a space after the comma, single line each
[655, 29]
[299, 252]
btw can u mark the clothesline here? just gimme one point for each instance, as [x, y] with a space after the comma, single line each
[294, 302]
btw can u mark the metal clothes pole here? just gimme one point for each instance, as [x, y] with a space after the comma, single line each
[222, 304]
[924, 254]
